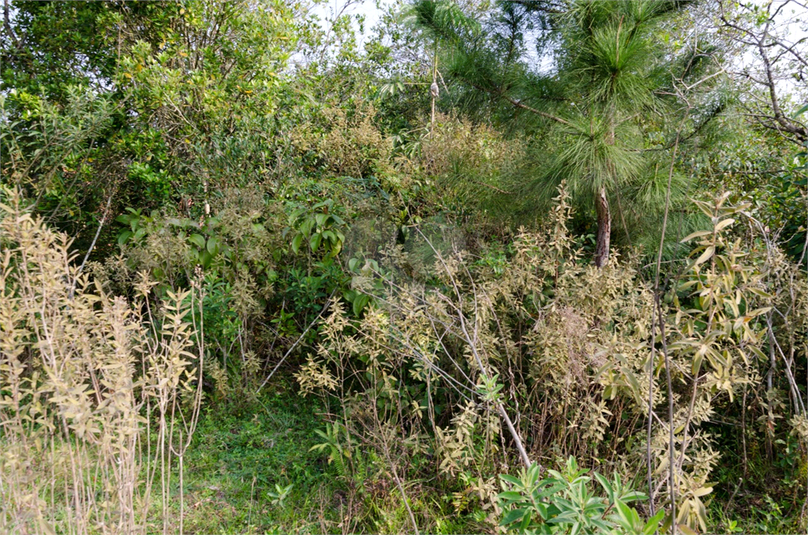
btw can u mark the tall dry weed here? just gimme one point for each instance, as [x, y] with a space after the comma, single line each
[97, 395]
[566, 351]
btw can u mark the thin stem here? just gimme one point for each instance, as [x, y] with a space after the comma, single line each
[671, 474]
[473, 345]
[92, 246]
[657, 314]
[299, 339]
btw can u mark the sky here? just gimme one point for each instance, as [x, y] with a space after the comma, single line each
[371, 10]
[794, 16]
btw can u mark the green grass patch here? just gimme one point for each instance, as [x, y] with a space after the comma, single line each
[243, 452]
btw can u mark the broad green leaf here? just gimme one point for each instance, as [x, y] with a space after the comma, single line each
[624, 514]
[359, 303]
[314, 243]
[513, 516]
[296, 243]
[606, 485]
[653, 522]
[307, 226]
[566, 517]
[205, 258]
[633, 496]
[510, 479]
[198, 240]
[124, 236]
[553, 489]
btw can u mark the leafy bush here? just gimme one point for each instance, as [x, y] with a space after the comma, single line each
[564, 503]
[442, 358]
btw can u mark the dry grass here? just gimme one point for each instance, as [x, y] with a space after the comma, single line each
[99, 395]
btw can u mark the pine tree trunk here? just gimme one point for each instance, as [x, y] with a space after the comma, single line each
[604, 228]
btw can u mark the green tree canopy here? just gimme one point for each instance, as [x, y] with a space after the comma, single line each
[603, 89]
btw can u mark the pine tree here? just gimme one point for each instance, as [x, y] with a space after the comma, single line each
[610, 72]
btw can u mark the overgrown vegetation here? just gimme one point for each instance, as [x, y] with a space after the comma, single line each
[485, 267]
